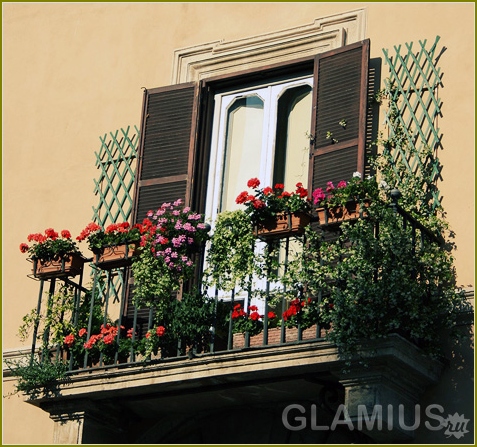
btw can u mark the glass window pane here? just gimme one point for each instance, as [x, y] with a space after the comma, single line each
[292, 143]
[242, 148]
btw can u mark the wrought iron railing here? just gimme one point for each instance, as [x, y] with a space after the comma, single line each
[107, 300]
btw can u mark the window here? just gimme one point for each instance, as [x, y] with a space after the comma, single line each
[182, 128]
[260, 132]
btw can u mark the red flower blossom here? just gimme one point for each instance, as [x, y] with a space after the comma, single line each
[24, 247]
[272, 315]
[279, 186]
[160, 331]
[109, 339]
[51, 234]
[242, 197]
[267, 191]
[65, 234]
[254, 316]
[258, 204]
[69, 340]
[82, 332]
[253, 183]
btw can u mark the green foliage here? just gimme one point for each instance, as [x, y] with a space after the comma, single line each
[36, 377]
[373, 286]
[56, 319]
[153, 280]
[193, 316]
[231, 258]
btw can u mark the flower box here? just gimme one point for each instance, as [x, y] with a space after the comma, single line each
[335, 216]
[284, 225]
[274, 337]
[70, 265]
[115, 256]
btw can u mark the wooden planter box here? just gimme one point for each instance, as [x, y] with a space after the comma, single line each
[284, 225]
[71, 265]
[337, 215]
[115, 256]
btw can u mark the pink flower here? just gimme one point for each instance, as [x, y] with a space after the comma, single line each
[330, 187]
[342, 184]
[318, 195]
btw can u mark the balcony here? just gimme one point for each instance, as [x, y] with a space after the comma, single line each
[303, 348]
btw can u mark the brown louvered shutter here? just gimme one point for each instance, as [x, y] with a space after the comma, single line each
[339, 114]
[166, 154]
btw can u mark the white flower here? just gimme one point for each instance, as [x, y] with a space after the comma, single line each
[357, 174]
[383, 185]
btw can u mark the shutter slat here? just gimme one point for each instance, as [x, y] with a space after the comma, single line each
[340, 93]
[166, 157]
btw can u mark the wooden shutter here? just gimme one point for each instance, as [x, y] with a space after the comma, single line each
[167, 150]
[339, 96]
[166, 156]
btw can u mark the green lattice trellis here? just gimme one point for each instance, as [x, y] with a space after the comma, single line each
[412, 118]
[116, 161]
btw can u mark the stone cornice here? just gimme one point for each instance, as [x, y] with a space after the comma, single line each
[222, 57]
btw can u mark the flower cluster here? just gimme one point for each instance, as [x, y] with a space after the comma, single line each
[268, 202]
[251, 321]
[108, 343]
[303, 312]
[106, 337]
[151, 343]
[114, 234]
[356, 189]
[172, 233]
[50, 245]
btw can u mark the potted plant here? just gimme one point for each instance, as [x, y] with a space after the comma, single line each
[53, 254]
[371, 287]
[151, 343]
[274, 212]
[171, 237]
[346, 201]
[231, 259]
[112, 343]
[113, 246]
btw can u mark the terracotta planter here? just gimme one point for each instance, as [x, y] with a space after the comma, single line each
[284, 225]
[337, 215]
[274, 336]
[115, 256]
[71, 265]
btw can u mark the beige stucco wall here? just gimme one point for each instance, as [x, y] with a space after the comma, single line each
[74, 71]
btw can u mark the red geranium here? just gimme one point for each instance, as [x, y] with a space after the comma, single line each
[268, 202]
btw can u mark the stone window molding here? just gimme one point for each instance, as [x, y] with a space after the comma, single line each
[221, 57]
